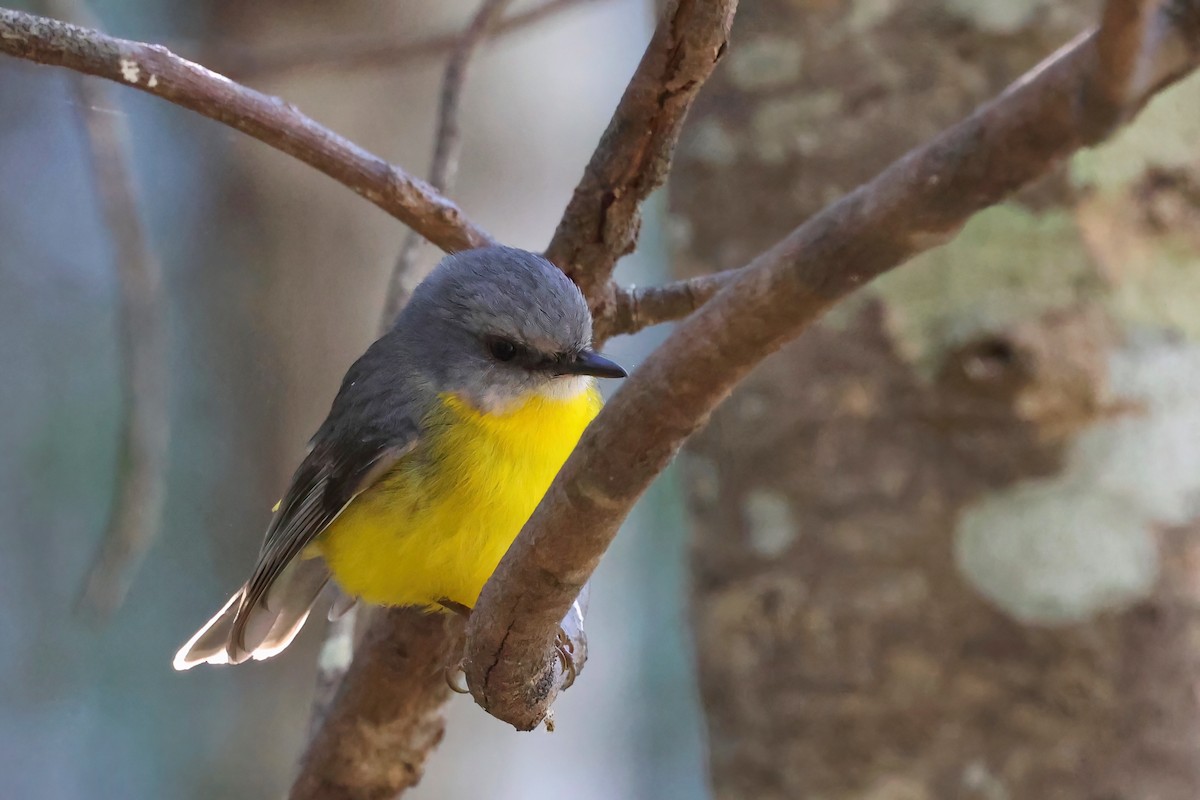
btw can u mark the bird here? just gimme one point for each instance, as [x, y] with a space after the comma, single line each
[443, 438]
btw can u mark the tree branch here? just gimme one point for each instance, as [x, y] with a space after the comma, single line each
[141, 489]
[633, 309]
[1127, 42]
[1120, 52]
[601, 222]
[363, 53]
[388, 714]
[158, 71]
[919, 202]
[447, 147]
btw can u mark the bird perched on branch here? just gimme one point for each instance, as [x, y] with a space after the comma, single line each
[440, 443]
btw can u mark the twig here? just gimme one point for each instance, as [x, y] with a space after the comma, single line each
[141, 490]
[158, 71]
[602, 220]
[918, 203]
[447, 146]
[388, 714]
[363, 53]
[633, 309]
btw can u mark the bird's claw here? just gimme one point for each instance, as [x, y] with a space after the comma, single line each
[565, 649]
[456, 678]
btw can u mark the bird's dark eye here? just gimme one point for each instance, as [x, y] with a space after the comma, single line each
[502, 349]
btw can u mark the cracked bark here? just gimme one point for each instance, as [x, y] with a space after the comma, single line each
[602, 221]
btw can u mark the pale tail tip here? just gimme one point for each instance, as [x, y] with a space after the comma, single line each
[183, 662]
[193, 653]
[188, 657]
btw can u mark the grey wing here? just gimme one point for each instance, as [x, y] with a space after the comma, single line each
[376, 419]
[333, 473]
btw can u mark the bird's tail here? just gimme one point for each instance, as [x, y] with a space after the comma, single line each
[271, 624]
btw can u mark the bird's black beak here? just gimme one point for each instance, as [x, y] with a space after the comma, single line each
[589, 363]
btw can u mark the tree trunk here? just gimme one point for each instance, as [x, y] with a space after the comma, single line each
[945, 542]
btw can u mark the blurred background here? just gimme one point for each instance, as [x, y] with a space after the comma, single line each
[275, 277]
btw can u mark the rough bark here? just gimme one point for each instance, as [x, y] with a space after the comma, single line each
[602, 221]
[943, 539]
[373, 745]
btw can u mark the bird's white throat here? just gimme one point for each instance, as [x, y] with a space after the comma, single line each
[559, 390]
[567, 387]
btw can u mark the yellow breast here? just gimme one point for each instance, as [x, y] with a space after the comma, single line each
[437, 525]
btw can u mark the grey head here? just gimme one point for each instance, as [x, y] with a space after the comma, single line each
[498, 325]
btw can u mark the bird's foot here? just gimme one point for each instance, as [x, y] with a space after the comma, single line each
[454, 606]
[456, 676]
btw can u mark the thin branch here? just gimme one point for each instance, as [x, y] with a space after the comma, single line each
[388, 714]
[633, 157]
[447, 146]
[363, 53]
[158, 71]
[1126, 47]
[141, 490]
[919, 202]
[633, 309]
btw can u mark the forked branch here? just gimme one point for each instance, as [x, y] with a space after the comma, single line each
[917, 203]
[1131, 48]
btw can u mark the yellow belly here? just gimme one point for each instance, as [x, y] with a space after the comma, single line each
[437, 525]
